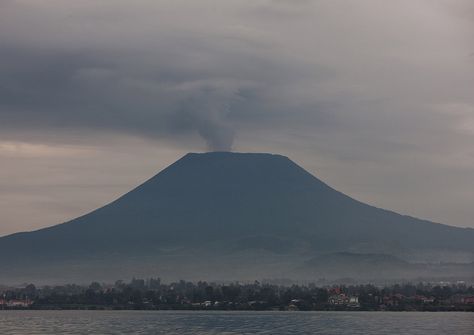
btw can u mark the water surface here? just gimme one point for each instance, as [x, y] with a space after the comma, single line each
[230, 323]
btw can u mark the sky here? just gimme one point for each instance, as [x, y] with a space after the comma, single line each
[374, 97]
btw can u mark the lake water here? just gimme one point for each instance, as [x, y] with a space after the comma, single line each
[229, 323]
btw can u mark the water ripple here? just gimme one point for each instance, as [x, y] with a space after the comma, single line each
[232, 323]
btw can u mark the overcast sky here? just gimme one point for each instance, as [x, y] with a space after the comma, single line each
[375, 97]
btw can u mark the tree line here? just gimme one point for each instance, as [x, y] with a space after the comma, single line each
[152, 293]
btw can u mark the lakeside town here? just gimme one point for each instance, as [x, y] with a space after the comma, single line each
[153, 294]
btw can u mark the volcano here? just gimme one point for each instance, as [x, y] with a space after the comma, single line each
[237, 216]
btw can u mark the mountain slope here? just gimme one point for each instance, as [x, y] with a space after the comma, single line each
[231, 204]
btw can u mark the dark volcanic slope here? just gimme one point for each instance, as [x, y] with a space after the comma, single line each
[221, 195]
[235, 201]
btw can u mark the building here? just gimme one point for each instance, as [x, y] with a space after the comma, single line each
[353, 301]
[338, 299]
[344, 300]
[14, 303]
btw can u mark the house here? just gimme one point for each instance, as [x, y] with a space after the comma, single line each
[353, 301]
[344, 300]
[469, 300]
[338, 299]
[14, 303]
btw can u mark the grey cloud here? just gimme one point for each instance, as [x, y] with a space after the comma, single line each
[80, 89]
[163, 83]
